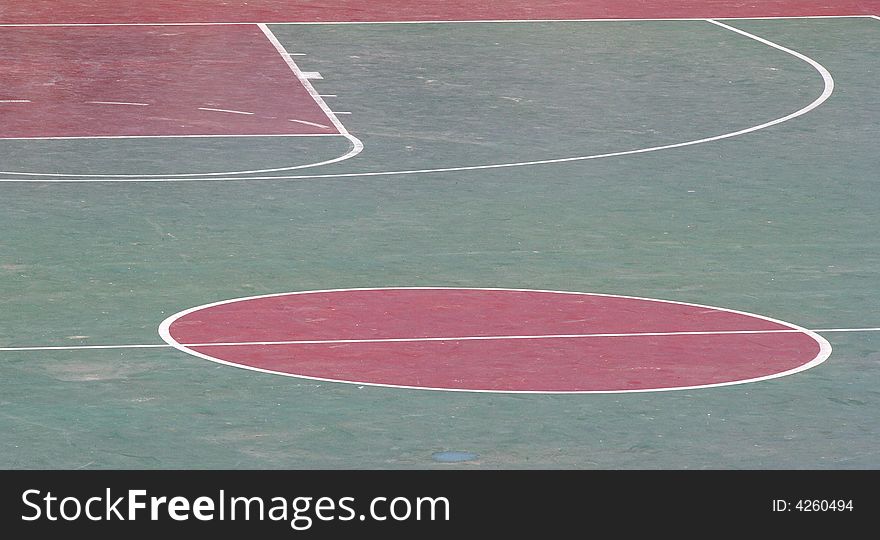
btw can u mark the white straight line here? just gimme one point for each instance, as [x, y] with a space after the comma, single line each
[303, 79]
[57, 25]
[517, 337]
[483, 338]
[520, 21]
[161, 137]
[823, 330]
[406, 340]
[224, 110]
[356, 144]
[461, 21]
[309, 123]
[769, 18]
[15, 101]
[327, 95]
[117, 103]
[81, 347]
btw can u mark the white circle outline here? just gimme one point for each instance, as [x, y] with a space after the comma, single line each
[823, 354]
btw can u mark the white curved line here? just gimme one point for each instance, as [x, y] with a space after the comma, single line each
[826, 93]
[357, 147]
[821, 356]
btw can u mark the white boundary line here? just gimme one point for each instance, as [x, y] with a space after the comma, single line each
[827, 90]
[521, 21]
[356, 145]
[224, 110]
[136, 104]
[307, 123]
[303, 79]
[74, 137]
[84, 347]
[165, 334]
[393, 340]
[460, 21]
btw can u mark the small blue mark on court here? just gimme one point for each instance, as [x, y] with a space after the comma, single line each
[453, 456]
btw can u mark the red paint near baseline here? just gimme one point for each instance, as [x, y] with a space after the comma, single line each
[495, 340]
[129, 11]
[150, 81]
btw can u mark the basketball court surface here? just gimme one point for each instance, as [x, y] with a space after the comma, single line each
[385, 235]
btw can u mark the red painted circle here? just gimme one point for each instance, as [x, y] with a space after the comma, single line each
[498, 340]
